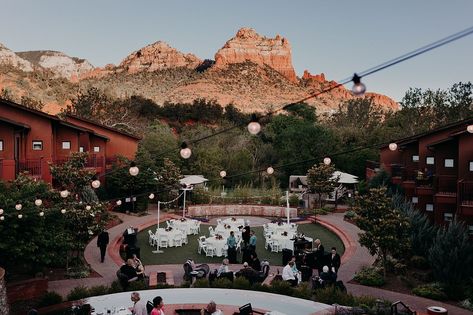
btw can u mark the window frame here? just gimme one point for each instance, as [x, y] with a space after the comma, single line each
[416, 201]
[37, 142]
[1, 145]
[415, 158]
[64, 142]
[429, 204]
[96, 149]
[470, 166]
[448, 215]
[81, 149]
[445, 163]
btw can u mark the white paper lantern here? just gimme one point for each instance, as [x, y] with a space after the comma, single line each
[41, 214]
[186, 153]
[64, 193]
[223, 174]
[20, 216]
[119, 202]
[392, 146]
[1, 211]
[2, 218]
[469, 128]
[270, 170]
[254, 127]
[134, 170]
[18, 206]
[63, 211]
[38, 202]
[96, 183]
[88, 208]
[327, 160]
[151, 196]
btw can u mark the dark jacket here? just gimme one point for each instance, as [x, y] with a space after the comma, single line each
[102, 239]
[320, 257]
[255, 264]
[334, 261]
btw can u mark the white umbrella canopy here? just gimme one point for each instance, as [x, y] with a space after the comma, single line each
[190, 180]
[345, 178]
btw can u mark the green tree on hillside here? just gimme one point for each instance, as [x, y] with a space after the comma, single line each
[320, 180]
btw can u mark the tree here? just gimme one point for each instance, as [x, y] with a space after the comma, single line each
[320, 180]
[31, 103]
[385, 228]
[451, 256]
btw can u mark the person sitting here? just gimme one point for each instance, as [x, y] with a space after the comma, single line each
[224, 272]
[249, 273]
[128, 272]
[289, 275]
[211, 309]
[140, 269]
[327, 276]
[254, 262]
[157, 306]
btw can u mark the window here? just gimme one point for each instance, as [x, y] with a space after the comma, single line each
[415, 199]
[470, 229]
[430, 160]
[429, 207]
[448, 217]
[66, 145]
[81, 149]
[471, 166]
[448, 162]
[37, 145]
[415, 158]
[1, 145]
[96, 149]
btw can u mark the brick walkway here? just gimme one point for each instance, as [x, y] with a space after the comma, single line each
[355, 256]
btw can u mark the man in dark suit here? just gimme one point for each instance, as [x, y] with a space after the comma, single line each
[334, 260]
[102, 242]
[319, 255]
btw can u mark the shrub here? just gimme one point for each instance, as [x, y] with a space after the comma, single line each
[369, 276]
[137, 286]
[331, 295]
[78, 293]
[431, 291]
[224, 283]
[303, 291]
[115, 287]
[349, 215]
[99, 290]
[49, 298]
[467, 304]
[281, 287]
[419, 262]
[241, 283]
[201, 283]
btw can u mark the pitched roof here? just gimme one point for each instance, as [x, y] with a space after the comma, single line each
[103, 126]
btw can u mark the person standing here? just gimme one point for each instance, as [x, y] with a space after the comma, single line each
[157, 306]
[139, 307]
[334, 260]
[253, 242]
[319, 255]
[102, 242]
[231, 243]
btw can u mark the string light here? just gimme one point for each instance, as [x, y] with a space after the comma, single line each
[151, 196]
[18, 206]
[20, 216]
[1, 211]
[393, 146]
[38, 202]
[223, 174]
[186, 152]
[469, 128]
[88, 208]
[134, 170]
[327, 160]
[254, 126]
[41, 214]
[270, 170]
[64, 193]
[95, 183]
[358, 87]
[2, 218]
[119, 202]
[63, 211]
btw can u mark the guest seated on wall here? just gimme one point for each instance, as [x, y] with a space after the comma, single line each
[191, 271]
[127, 273]
[140, 269]
[289, 275]
[254, 262]
[249, 273]
[327, 276]
[224, 272]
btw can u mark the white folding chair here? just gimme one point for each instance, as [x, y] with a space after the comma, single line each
[177, 240]
[225, 250]
[219, 221]
[211, 231]
[210, 251]
[163, 241]
[150, 238]
[276, 247]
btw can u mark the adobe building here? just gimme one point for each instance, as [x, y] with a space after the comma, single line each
[435, 169]
[30, 140]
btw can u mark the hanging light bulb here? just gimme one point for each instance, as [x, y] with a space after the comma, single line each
[63, 211]
[2, 218]
[20, 216]
[18, 206]
[327, 160]
[358, 88]
[95, 183]
[392, 146]
[1, 211]
[223, 174]
[41, 213]
[151, 196]
[254, 126]
[119, 202]
[64, 193]
[270, 170]
[38, 202]
[469, 128]
[88, 208]
[134, 170]
[186, 152]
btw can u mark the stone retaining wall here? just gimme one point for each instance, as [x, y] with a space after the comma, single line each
[3, 294]
[234, 210]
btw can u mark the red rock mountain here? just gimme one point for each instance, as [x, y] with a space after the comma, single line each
[253, 72]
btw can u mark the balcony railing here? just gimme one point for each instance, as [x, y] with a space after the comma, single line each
[33, 167]
[91, 161]
[445, 183]
[465, 193]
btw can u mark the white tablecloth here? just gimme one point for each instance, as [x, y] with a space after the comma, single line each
[236, 223]
[285, 241]
[185, 225]
[225, 232]
[278, 229]
[217, 244]
[170, 235]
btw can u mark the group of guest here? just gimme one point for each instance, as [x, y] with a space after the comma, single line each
[249, 245]
[133, 269]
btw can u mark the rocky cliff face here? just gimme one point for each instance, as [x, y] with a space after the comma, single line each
[60, 64]
[9, 58]
[158, 56]
[247, 45]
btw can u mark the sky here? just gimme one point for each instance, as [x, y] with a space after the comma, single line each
[337, 38]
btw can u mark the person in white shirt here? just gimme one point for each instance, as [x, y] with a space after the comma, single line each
[289, 275]
[223, 268]
[211, 309]
[139, 308]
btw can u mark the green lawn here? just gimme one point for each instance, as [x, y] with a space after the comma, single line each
[178, 255]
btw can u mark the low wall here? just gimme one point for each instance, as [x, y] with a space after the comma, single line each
[3, 293]
[235, 210]
[27, 289]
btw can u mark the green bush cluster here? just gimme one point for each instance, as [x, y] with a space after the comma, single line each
[49, 298]
[82, 292]
[370, 276]
[350, 215]
[432, 291]
[419, 262]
